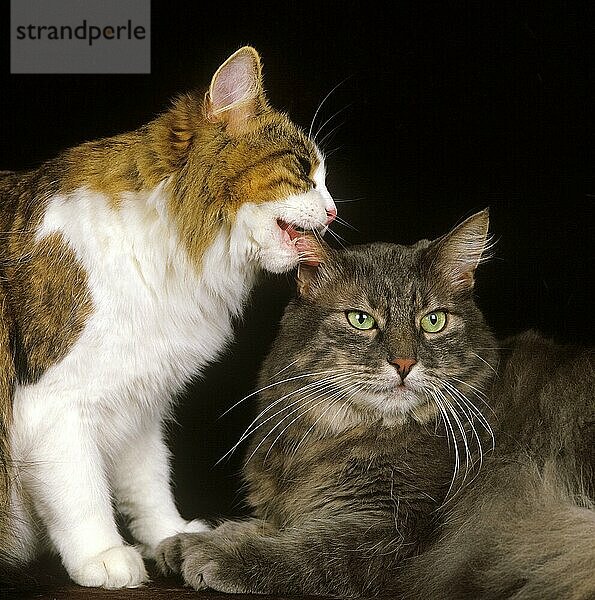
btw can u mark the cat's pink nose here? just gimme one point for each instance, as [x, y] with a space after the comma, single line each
[403, 365]
[331, 215]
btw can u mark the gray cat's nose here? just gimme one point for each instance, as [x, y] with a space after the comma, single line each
[403, 365]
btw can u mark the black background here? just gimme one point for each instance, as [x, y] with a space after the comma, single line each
[444, 108]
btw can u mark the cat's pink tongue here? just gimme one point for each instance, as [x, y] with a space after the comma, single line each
[305, 243]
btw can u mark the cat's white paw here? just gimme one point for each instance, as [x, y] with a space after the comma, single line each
[195, 526]
[118, 567]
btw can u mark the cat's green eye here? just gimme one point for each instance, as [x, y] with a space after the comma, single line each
[434, 322]
[360, 319]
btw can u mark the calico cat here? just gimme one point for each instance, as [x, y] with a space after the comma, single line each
[123, 265]
[371, 470]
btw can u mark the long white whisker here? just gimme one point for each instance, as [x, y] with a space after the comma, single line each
[472, 408]
[323, 101]
[329, 153]
[486, 425]
[457, 420]
[354, 386]
[344, 200]
[333, 398]
[284, 369]
[323, 399]
[331, 118]
[339, 238]
[485, 362]
[329, 133]
[450, 428]
[469, 417]
[317, 402]
[273, 385]
[311, 387]
[343, 222]
[482, 396]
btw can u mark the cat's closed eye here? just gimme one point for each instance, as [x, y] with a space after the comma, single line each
[305, 166]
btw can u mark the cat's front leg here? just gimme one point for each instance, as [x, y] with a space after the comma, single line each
[62, 471]
[215, 559]
[141, 481]
[346, 558]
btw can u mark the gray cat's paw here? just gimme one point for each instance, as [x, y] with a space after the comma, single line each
[202, 562]
[168, 554]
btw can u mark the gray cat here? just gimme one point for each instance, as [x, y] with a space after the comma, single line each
[399, 451]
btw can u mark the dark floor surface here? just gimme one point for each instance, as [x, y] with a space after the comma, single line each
[49, 582]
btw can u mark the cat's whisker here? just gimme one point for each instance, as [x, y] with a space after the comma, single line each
[329, 133]
[283, 369]
[329, 153]
[312, 388]
[341, 221]
[333, 234]
[337, 394]
[322, 103]
[324, 399]
[342, 241]
[478, 392]
[251, 429]
[276, 383]
[475, 411]
[481, 395]
[449, 428]
[344, 200]
[333, 403]
[339, 239]
[469, 416]
[330, 119]
[253, 426]
[304, 411]
[470, 405]
[469, 462]
[449, 406]
[485, 362]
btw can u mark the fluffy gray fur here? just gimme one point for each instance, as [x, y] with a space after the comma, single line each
[366, 481]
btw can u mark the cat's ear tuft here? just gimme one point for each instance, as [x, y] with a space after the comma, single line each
[306, 274]
[311, 270]
[460, 251]
[236, 92]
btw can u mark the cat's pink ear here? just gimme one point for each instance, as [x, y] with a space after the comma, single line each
[236, 93]
[460, 251]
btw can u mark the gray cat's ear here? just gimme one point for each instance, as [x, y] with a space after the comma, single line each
[311, 271]
[459, 252]
[236, 92]
[306, 275]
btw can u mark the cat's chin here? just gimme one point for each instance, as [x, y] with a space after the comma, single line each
[401, 404]
[292, 249]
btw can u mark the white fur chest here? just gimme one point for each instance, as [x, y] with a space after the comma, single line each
[156, 321]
